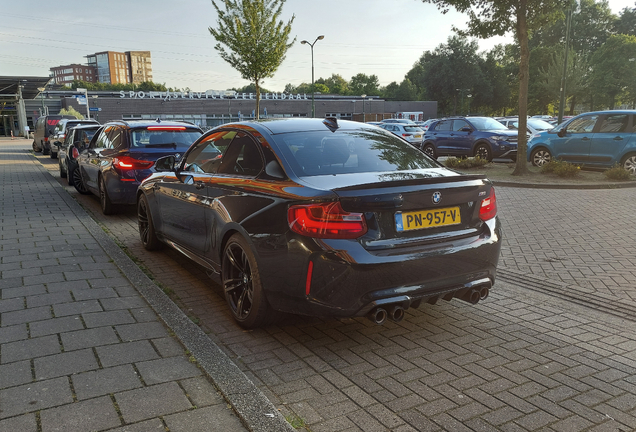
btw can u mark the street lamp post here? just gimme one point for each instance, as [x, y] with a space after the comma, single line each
[313, 105]
[41, 90]
[364, 115]
[461, 106]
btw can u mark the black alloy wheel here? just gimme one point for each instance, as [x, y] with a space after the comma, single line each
[107, 207]
[147, 233]
[429, 150]
[482, 151]
[242, 284]
[76, 176]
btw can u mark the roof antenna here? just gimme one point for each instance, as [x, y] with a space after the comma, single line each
[158, 120]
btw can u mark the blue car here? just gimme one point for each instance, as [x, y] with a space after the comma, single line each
[599, 139]
[122, 154]
[484, 137]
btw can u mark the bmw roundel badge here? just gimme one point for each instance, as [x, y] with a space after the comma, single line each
[437, 197]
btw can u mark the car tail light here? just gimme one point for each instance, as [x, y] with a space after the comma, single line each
[46, 139]
[488, 209]
[75, 153]
[406, 135]
[128, 163]
[326, 220]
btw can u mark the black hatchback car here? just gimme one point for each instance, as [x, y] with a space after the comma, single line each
[122, 154]
[323, 218]
[484, 137]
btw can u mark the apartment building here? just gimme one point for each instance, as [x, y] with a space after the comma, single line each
[68, 73]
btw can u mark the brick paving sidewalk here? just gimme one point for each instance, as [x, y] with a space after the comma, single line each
[80, 349]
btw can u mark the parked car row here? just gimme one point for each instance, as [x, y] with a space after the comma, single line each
[599, 139]
[317, 217]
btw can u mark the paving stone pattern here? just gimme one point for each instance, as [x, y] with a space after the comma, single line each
[80, 349]
[519, 361]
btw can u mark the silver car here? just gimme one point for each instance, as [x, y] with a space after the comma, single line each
[411, 133]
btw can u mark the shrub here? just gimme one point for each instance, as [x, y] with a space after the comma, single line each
[561, 168]
[465, 163]
[617, 172]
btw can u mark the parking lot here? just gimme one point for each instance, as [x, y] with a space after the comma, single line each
[553, 348]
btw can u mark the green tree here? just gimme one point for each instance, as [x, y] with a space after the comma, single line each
[488, 18]
[71, 111]
[626, 22]
[613, 75]
[337, 84]
[252, 39]
[364, 84]
[448, 73]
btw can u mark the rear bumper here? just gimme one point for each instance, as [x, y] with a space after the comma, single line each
[347, 280]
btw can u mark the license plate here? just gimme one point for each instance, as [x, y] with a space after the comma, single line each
[417, 136]
[427, 219]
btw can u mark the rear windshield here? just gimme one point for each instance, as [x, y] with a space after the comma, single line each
[413, 129]
[345, 152]
[159, 138]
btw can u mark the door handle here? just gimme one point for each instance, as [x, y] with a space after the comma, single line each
[585, 139]
[618, 138]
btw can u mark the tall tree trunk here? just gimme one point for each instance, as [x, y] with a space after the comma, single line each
[521, 167]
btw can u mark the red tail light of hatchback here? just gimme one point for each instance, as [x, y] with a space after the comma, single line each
[488, 209]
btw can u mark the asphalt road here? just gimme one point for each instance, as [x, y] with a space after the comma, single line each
[552, 349]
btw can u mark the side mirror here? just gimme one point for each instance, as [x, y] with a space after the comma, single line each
[466, 129]
[165, 164]
[561, 132]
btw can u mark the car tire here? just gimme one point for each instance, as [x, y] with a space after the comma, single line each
[147, 233]
[78, 183]
[35, 149]
[540, 156]
[45, 151]
[482, 151]
[53, 155]
[429, 150]
[242, 285]
[62, 170]
[104, 200]
[629, 163]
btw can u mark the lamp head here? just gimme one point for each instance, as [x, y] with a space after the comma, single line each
[321, 37]
[304, 42]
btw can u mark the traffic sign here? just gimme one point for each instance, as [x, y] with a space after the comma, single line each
[94, 109]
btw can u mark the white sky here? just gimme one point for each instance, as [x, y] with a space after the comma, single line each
[381, 37]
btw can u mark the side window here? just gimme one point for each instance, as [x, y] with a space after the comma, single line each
[443, 126]
[242, 158]
[69, 137]
[583, 124]
[115, 137]
[459, 124]
[207, 156]
[102, 141]
[614, 123]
